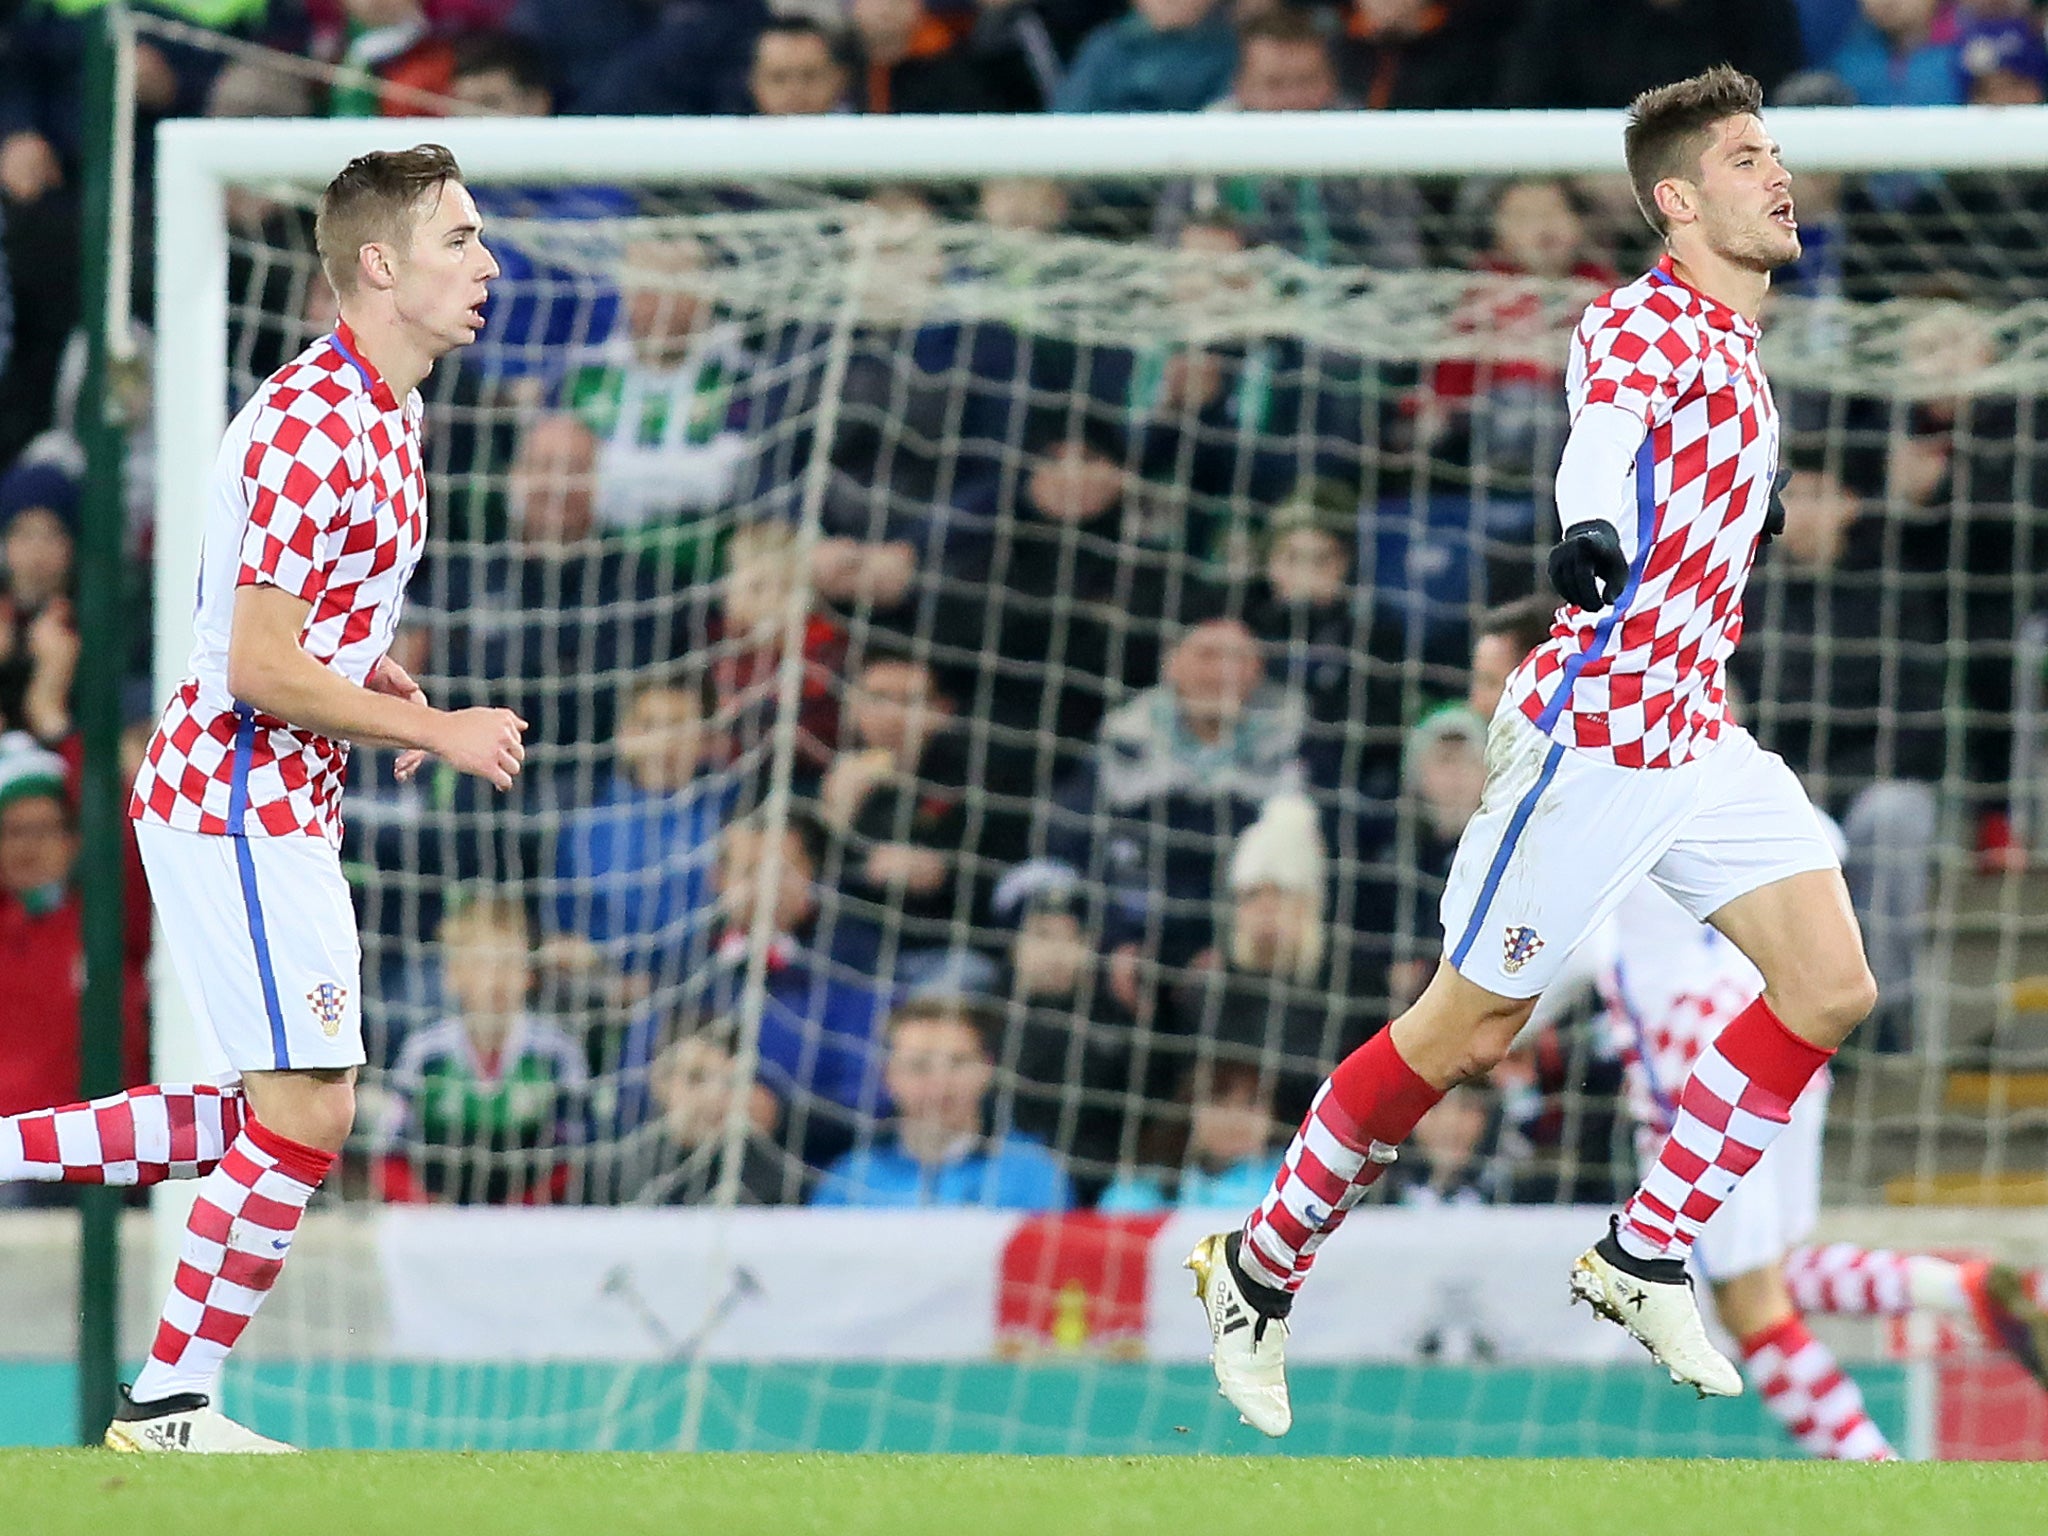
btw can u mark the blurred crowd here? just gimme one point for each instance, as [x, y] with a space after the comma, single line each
[1037, 754]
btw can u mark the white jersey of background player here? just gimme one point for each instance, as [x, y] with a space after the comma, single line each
[1611, 760]
[315, 521]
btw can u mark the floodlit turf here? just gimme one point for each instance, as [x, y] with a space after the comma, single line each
[56, 1493]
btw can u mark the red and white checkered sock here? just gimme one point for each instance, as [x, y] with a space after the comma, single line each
[1366, 1108]
[1731, 1109]
[1807, 1391]
[144, 1136]
[1842, 1280]
[235, 1244]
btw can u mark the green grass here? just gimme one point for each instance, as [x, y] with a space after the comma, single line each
[57, 1493]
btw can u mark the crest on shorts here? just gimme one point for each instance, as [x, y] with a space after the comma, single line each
[1518, 947]
[329, 1002]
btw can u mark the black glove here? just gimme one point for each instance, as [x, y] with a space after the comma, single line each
[1774, 519]
[1586, 566]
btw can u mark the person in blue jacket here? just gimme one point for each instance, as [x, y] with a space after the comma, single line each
[939, 1149]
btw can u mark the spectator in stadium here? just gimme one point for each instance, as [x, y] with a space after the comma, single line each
[1281, 991]
[633, 868]
[818, 1028]
[1603, 53]
[896, 797]
[537, 310]
[1846, 657]
[1166, 56]
[1455, 1156]
[1179, 772]
[1443, 770]
[408, 60]
[1305, 612]
[919, 58]
[661, 394]
[1411, 55]
[42, 948]
[1982, 227]
[1067, 576]
[798, 70]
[1284, 65]
[748, 634]
[691, 59]
[693, 1081]
[1215, 1150]
[1076, 1069]
[492, 1097]
[560, 615]
[1501, 406]
[39, 640]
[1025, 204]
[1901, 53]
[939, 1149]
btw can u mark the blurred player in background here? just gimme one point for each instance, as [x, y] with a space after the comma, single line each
[1667, 986]
[1610, 759]
[316, 522]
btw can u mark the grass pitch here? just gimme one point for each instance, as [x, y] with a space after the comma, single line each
[57, 1493]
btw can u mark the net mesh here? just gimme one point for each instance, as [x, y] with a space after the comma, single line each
[1053, 604]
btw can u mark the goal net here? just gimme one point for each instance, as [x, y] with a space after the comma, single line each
[994, 613]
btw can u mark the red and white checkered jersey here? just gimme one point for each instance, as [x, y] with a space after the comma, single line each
[320, 490]
[1639, 684]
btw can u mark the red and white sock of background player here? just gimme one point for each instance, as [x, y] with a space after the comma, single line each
[1366, 1108]
[1737, 1100]
[144, 1136]
[1807, 1391]
[1842, 1280]
[235, 1245]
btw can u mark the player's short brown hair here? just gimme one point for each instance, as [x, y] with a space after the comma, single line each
[1524, 623]
[376, 200]
[1667, 129]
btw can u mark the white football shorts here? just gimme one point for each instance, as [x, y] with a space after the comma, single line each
[1561, 837]
[263, 936]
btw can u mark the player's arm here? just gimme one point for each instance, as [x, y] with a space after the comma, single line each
[1587, 566]
[270, 671]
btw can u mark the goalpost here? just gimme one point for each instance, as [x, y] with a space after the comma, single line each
[875, 328]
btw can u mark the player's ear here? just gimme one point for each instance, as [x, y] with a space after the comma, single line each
[377, 268]
[1676, 200]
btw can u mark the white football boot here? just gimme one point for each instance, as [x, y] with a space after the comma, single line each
[1652, 1300]
[187, 1424]
[1249, 1347]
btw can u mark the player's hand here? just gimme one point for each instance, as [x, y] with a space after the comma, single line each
[484, 742]
[389, 677]
[1774, 516]
[1587, 567]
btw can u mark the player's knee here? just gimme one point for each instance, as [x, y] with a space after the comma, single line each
[1487, 1044]
[313, 1112]
[1836, 1004]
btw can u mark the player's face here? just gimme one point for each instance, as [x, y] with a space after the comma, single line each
[443, 277]
[1745, 197]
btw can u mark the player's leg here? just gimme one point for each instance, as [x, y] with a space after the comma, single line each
[1246, 1279]
[276, 985]
[1801, 1383]
[1557, 841]
[143, 1136]
[1843, 1280]
[1756, 862]
[1741, 1253]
